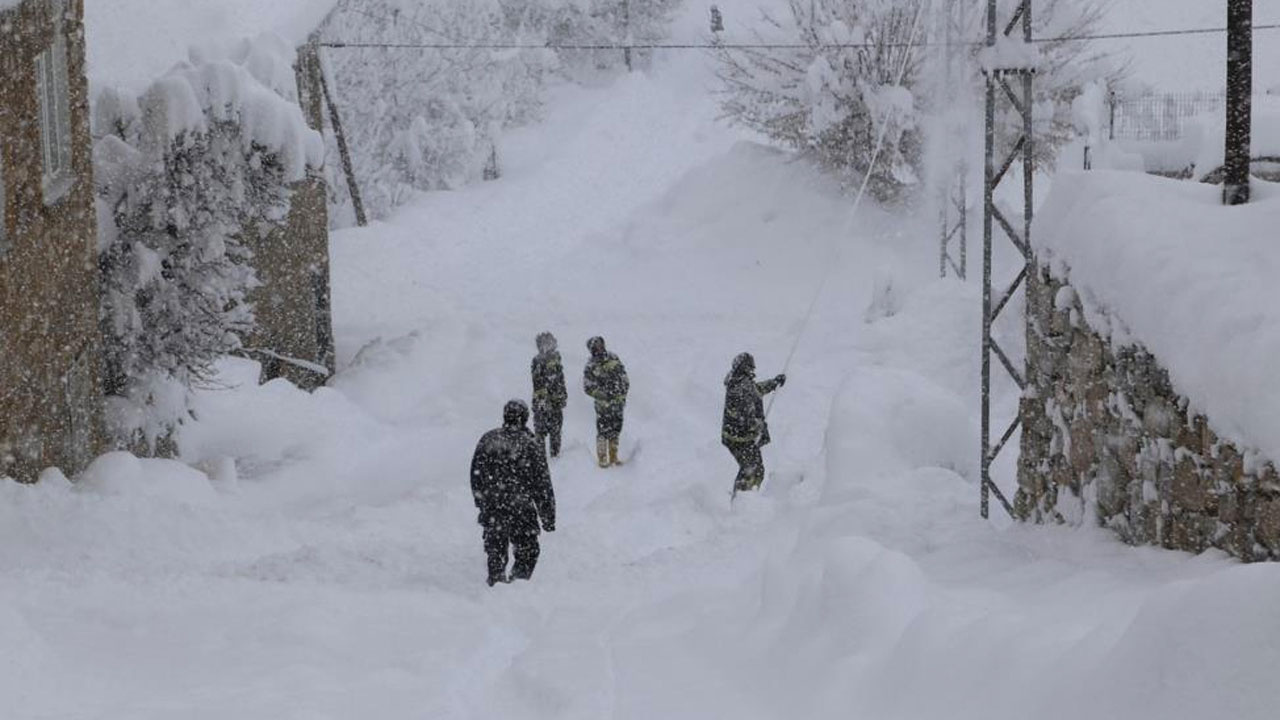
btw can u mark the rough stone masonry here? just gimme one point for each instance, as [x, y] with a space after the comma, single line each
[1107, 439]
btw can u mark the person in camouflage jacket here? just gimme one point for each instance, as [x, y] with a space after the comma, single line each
[605, 380]
[549, 393]
[745, 429]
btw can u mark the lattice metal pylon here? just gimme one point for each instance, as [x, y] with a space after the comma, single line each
[1021, 99]
[954, 217]
[952, 193]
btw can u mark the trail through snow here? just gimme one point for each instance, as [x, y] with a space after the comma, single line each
[336, 571]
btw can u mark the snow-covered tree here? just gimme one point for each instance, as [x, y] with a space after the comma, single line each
[203, 159]
[426, 87]
[428, 118]
[844, 95]
[593, 22]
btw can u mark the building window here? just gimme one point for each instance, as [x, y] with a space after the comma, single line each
[55, 120]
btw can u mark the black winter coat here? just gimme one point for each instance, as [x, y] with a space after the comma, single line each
[744, 422]
[510, 481]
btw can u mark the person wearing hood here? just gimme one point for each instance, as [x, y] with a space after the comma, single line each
[549, 393]
[511, 485]
[745, 430]
[605, 380]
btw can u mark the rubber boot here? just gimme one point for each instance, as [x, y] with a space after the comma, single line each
[602, 452]
[613, 452]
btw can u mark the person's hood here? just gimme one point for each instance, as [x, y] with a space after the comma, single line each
[547, 343]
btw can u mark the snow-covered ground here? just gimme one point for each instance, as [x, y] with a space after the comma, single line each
[336, 571]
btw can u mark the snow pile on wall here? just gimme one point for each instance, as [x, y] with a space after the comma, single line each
[1164, 264]
[130, 42]
[249, 87]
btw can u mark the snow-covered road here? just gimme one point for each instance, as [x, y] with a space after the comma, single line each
[337, 572]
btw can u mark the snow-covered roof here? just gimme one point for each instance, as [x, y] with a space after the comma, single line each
[133, 42]
[1163, 263]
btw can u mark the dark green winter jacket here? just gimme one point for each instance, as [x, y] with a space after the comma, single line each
[548, 381]
[744, 422]
[605, 380]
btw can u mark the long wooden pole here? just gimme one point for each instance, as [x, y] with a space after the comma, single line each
[344, 152]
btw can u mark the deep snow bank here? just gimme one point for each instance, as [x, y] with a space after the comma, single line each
[1164, 264]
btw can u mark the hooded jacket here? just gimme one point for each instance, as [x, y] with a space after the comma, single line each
[605, 380]
[549, 389]
[744, 422]
[510, 481]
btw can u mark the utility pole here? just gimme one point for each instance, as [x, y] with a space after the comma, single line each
[1235, 189]
[626, 24]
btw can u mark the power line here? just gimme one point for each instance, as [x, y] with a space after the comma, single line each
[765, 46]
[1150, 34]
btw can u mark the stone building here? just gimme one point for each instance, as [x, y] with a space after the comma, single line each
[50, 395]
[294, 337]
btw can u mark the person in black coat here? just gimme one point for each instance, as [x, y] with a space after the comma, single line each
[511, 485]
[744, 430]
[549, 393]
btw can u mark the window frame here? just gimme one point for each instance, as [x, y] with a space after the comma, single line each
[54, 106]
[4, 207]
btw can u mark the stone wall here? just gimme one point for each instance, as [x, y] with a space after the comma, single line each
[1108, 439]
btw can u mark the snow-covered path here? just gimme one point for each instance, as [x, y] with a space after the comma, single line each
[339, 572]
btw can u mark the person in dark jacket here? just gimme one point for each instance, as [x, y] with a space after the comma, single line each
[512, 489]
[744, 430]
[605, 380]
[549, 393]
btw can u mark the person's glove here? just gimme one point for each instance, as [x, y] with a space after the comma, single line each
[781, 379]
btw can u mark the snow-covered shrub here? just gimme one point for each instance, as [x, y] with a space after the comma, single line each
[838, 103]
[185, 173]
[835, 102]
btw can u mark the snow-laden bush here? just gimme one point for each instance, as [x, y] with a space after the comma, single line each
[838, 103]
[834, 102]
[186, 172]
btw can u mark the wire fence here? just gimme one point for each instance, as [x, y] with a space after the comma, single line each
[1160, 117]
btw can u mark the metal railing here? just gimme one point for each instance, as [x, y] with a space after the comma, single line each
[1160, 117]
